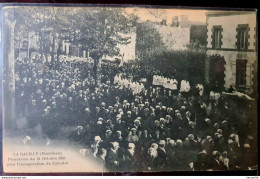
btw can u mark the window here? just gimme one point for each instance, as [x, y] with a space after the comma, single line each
[25, 44]
[242, 37]
[241, 73]
[216, 37]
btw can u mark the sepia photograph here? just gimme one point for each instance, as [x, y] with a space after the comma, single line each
[103, 88]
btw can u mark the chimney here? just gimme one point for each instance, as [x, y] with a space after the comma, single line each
[175, 21]
[163, 22]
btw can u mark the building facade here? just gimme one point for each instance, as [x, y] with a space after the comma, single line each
[158, 36]
[174, 38]
[232, 50]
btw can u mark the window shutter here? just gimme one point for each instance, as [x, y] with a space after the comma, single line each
[233, 67]
[248, 75]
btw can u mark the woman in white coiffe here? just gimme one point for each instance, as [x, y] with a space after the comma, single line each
[185, 86]
[200, 88]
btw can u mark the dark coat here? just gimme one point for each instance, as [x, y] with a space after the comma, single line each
[111, 158]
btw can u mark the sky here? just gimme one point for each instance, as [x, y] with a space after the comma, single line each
[159, 14]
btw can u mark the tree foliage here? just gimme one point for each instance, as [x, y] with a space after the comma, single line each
[102, 29]
[149, 42]
[98, 29]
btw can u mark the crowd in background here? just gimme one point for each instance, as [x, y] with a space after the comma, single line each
[156, 129]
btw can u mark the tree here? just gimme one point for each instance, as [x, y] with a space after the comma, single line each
[149, 43]
[9, 23]
[101, 30]
[48, 23]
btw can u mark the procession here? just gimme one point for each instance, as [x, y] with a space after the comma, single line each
[133, 89]
[129, 127]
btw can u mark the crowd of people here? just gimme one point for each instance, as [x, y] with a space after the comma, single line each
[155, 129]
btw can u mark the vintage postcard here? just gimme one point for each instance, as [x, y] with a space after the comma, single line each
[128, 89]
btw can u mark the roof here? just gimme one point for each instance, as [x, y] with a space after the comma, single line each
[228, 13]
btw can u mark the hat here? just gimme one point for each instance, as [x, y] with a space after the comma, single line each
[169, 109]
[225, 153]
[179, 141]
[135, 121]
[131, 145]
[232, 136]
[28, 137]
[191, 122]
[99, 122]
[207, 120]
[216, 125]
[83, 151]
[80, 127]
[171, 141]
[216, 153]
[168, 116]
[246, 146]
[187, 112]
[190, 135]
[208, 137]
[139, 118]
[203, 152]
[220, 131]
[224, 122]
[133, 129]
[107, 131]
[97, 138]
[177, 111]
[115, 144]
[162, 142]
[156, 121]
[154, 145]
[230, 141]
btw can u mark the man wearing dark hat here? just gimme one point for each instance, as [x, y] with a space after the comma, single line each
[162, 156]
[129, 158]
[112, 158]
[215, 163]
[202, 162]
